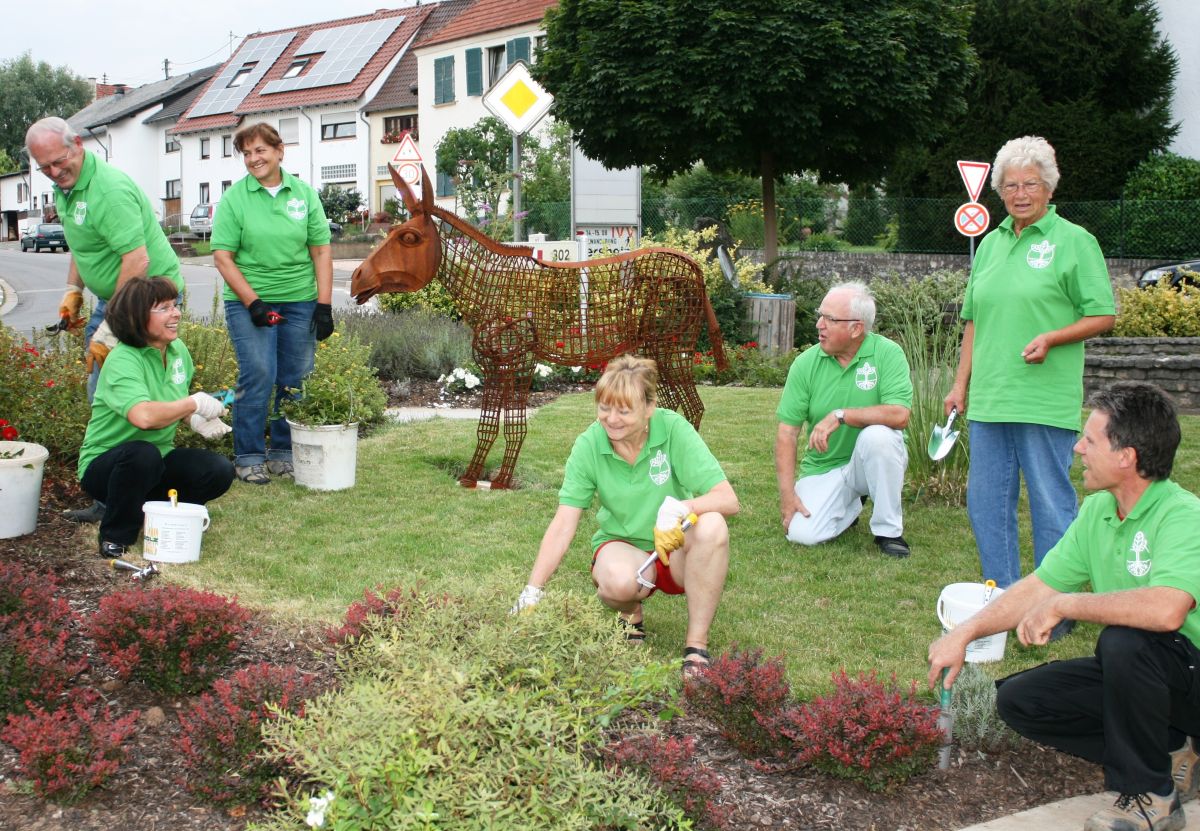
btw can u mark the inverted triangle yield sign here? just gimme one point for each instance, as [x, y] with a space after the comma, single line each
[407, 152]
[973, 176]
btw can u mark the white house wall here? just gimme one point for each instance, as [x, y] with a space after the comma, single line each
[1180, 22]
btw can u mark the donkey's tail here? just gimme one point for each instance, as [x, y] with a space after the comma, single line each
[714, 335]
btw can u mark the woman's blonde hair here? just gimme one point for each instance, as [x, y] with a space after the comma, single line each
[628, 379]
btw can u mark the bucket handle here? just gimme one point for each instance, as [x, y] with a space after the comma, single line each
[941, 613]
[207, 521]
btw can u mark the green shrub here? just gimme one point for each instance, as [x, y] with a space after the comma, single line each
[342, 387]
[749, 366]
[414, 343]
[823, 242]
[977, 725]
[934, 299]
[1159, 312]
[43, 391]
[433, 299]
[216, 371]
[866, 216]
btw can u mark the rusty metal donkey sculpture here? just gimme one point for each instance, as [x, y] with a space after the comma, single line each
[523, 310]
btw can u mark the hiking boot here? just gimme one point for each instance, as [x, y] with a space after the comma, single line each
[280, 467]
[1184, 771]
[893, 546]
[1140, 812]
[91, 514]
[254, 474]
[112, 550]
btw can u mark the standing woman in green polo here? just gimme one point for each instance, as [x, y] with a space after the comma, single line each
[270, 242]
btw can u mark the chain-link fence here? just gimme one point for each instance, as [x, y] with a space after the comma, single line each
[1157, 229]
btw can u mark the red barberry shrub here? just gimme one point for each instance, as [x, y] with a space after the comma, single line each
[866, 730]
[221, 739]
[68, 751]
[35, 625]
[671, 763]
[172, 639]
[741, 694]
[396, 606]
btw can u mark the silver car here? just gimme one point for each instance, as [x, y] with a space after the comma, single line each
[200, 222]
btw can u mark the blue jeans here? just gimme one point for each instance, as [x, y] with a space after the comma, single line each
[90, 329]
[271, 359]
[1000, 453]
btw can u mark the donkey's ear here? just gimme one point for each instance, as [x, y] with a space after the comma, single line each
[426, 188]
[406, 192]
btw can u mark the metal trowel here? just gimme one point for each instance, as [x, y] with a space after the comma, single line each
[943, 438]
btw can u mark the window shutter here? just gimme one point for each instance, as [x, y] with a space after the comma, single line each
[517, 49]
[474, 72]
[443, 80]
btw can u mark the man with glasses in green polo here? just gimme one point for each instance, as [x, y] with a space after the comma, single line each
[854, 392]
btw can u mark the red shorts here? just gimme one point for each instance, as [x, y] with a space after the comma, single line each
[665, 583]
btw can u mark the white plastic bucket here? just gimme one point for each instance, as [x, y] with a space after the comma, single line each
[324, 457]
[957, 602]
[20, 486]
[172, 532]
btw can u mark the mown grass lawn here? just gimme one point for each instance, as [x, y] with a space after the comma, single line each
[304, 556]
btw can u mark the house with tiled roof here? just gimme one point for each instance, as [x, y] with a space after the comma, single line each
[459, 63]
[309, 82]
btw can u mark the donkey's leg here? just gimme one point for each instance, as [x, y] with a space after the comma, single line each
[515, 408]
[484, 349]
[676, 384]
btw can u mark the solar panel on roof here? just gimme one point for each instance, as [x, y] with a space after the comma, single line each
[344, 51]
[258, 54]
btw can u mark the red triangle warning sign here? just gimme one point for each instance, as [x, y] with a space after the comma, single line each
[973, 175]
[407, 151]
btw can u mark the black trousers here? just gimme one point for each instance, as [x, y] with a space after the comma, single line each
[1126, 708]
[135, 472]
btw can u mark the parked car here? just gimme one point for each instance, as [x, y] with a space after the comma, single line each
[44, 235]
[1175, 272]
[335, 230]
[200, 222]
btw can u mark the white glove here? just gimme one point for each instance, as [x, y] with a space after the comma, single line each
[104, 335]
[671, 514]
[206, 406]
[530, 595]
[209, 428]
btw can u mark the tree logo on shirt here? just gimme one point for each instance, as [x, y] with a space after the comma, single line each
[1040, 254]
[866, 377]
[297, 209]
[1137, 566]
[177, 376]
[660, 468]
[80, 213]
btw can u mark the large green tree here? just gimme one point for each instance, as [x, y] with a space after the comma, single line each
[1091, 76]
[29, 91]
[764, 87]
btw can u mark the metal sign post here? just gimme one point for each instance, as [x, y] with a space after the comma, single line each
[972, 219]
[520, 102]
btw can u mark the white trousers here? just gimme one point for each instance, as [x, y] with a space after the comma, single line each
[834, 499]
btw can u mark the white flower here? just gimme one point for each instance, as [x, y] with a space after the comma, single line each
[470, 381]
[577, 369]
[542, 371]
[317, 805]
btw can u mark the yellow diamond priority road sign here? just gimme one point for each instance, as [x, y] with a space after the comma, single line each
[517, 99]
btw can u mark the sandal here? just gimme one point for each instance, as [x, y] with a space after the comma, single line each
[693, 668]
[635, 633]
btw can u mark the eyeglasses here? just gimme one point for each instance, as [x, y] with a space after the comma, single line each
[831, 319]
[59, 162]
[163, 310]
[1012, 188]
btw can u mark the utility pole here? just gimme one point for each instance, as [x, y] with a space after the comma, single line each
[166, 68]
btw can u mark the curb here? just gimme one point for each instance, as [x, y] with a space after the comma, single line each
[10, 297]
[1066, 814]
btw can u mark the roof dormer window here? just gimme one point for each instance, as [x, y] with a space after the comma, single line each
[297, 67]
[242, 74]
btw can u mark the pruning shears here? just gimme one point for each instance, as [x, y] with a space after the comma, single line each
[275, 318]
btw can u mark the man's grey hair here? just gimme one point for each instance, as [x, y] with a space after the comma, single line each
[52, 125]
[862, 302]
[1026, 151]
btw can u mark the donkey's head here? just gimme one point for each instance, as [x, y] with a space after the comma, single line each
[409, 257]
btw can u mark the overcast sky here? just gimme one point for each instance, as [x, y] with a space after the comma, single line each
[127, 40]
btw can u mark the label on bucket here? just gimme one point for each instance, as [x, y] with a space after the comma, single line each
[172, 535]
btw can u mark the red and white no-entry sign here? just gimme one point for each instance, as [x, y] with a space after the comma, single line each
[971, 219]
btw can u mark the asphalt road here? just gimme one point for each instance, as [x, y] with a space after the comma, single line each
[37, 281]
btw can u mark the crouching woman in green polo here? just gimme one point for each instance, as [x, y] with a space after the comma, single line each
[651, 470]
[128, 455]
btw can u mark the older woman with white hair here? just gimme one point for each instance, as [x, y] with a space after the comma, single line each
[1038, 288]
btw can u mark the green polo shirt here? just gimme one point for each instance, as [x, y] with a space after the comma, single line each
[1156, 545]
[817, 385]
[1048, 278]
[675, 461]
[105, 216]
[269, 237]
[130, 376]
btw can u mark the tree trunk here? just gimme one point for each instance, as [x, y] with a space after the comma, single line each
[770, 215]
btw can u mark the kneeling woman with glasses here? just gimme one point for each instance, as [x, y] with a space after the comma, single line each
[128, 455]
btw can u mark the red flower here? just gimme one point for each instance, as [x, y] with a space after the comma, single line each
[9, 433]
[752, 345]
[559, 344]
[50, 383]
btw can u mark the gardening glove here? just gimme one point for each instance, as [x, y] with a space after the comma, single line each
[68, 311]
[529, 597]
[666, 541]
[208, 428]
[322, 321]
[259, 313]
[207, 407]
[672, 512]
[103, 341]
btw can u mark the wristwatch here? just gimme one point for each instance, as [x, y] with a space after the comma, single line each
[840, 415]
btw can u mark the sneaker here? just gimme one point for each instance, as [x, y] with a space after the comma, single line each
[1184, 763]
[91, 514]
[280, 467]
[254, 474]
[112, 550]
[1140, 812]
[893, 546]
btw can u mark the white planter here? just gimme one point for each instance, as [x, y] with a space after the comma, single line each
[20, 487]
[324, 457]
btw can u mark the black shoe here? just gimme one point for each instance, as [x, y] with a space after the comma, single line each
[1061, 629]
[893, 546]
[112, 550]
[91, 514]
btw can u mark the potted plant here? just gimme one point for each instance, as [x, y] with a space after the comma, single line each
[339, 394]
[21, 467]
